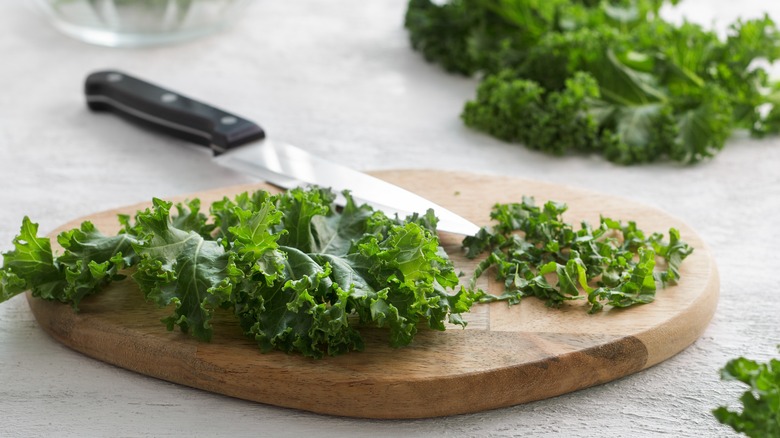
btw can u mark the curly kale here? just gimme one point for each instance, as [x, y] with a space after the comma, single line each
[606, 77]
[297, 273]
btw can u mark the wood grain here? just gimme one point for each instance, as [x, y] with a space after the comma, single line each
[506, 356]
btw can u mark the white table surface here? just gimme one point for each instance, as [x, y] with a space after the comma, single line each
[339, 78]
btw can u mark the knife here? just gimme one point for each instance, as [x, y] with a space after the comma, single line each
[242, 145]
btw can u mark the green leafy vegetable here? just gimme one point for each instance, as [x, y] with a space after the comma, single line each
[182, 268]
[760, 416]
[91, 260]
[302, 276]
[612, 264]
[299, 275]
[31, 266]
[608, 77]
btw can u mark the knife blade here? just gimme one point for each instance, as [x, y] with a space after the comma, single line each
[241, 144]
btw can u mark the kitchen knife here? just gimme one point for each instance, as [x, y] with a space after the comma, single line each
[241, 144]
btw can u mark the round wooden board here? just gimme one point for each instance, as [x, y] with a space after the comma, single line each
[506, 355]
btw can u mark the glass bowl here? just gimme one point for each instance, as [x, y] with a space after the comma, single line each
[136, 23]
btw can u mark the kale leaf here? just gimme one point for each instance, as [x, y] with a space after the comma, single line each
[605, 77]
[90, 261]
[182, 268]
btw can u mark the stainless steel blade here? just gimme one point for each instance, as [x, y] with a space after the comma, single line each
[287, 166]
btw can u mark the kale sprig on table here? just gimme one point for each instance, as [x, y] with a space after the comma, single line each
[760, 413]
[607, 77]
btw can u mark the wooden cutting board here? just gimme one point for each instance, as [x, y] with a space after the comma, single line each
[506, 355]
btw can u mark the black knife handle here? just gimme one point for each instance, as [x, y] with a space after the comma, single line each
[168, 111]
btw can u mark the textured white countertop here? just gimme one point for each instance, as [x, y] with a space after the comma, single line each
[339, 78]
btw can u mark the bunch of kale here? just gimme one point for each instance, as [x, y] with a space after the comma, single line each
[606, 77]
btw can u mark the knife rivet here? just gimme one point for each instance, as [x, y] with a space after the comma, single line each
[114, 77]
[228, 120]
[169, 97]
